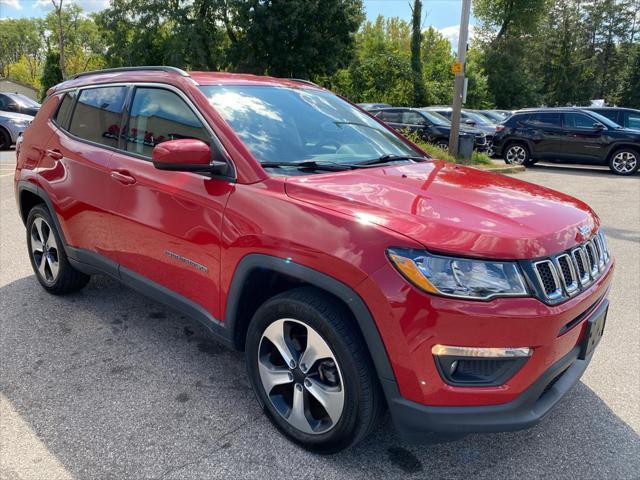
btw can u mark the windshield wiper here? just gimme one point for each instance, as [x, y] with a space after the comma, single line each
[311, 164]
[390, 157]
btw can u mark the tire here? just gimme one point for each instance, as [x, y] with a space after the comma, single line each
[5, 139]
[48, 258]
[443, 144]
[342, 374]
[624, 161]
[517, 154]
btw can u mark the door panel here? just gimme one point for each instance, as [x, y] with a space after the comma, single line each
[547, 135]
[168, 223]
[583, 141]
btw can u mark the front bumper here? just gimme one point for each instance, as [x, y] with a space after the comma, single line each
[413, 420]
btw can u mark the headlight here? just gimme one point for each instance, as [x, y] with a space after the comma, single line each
[458, 277]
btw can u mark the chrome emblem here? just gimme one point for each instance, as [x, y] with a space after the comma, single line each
[583, 232]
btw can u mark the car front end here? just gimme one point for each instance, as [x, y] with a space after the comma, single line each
[14, 124]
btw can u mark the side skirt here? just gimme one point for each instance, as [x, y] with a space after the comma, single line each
[94, 263]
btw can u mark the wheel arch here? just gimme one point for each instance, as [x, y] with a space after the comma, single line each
[616, 147]
[30, 195]
[284, 274]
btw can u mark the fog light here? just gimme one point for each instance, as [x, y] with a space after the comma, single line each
[478, 366]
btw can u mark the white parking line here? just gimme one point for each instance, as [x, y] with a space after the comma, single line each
[2, 175]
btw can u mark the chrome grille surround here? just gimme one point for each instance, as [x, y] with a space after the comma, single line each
[560, 277]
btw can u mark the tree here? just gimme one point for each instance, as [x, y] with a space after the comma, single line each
[20, 38]
[57, 9]
[51, 74]
[294, 38]
[629, 92]
[419, 95]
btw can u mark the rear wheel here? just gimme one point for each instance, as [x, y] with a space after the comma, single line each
[624, 161]
[517, 154]
[47, 255]
[443, 144]
[5, 139]
[311, 371]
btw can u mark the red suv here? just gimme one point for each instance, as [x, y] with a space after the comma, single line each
[356, 273]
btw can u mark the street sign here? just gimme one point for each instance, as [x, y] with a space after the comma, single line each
[456, 68]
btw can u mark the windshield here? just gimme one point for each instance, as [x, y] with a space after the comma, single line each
[283, 124]
[436, 118]
[479, 119]
[602, 119]
[22, 100]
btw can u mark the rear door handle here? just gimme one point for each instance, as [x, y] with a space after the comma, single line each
[123, 177]
[55, 154]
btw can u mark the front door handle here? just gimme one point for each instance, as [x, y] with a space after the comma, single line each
[123, 176]
[55, 154]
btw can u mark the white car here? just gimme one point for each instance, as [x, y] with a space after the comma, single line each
[11, 126]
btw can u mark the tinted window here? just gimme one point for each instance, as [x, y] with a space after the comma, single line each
[445, 113]
[546, 120]
[62, 115]
[97, 115]
[633, 120]
[3, 101]
[158, 115]
[610, 114]
[391, 116]
[578, 120]
[412, 118]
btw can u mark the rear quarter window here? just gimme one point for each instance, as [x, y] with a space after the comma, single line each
[98, 114]
[61, 116]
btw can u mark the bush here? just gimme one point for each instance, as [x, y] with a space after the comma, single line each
[477, 158]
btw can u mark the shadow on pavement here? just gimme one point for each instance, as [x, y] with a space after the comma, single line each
[117, 386]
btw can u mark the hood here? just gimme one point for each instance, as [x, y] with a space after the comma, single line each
[453, 209]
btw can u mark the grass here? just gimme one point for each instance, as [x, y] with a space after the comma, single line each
[477, 158]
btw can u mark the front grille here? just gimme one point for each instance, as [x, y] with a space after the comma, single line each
[566, 274]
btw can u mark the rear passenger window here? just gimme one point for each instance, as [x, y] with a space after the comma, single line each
[633, 120]
[158, 115]
[62, 115]
[546, 120]
[98, 114]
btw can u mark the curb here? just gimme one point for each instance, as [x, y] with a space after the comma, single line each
[502, 168]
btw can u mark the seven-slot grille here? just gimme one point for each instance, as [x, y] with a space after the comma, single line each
[564, 275]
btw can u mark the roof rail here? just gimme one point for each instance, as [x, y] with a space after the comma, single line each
[301, 80]
[135, 69]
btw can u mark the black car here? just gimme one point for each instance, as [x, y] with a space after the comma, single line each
[18, 103]
[625, 117]
[430, 126]
[372, 106]
[471, 119]
[568, 135]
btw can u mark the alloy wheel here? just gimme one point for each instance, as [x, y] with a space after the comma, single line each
[301, 376]
[44, 250]
[516, 155]
[625, 162]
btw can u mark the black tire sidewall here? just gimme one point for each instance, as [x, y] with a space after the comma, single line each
[5, 139]
[343, 433]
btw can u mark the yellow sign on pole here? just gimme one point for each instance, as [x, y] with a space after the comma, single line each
[456, 68]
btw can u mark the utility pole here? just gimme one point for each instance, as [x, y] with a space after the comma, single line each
[458, 69]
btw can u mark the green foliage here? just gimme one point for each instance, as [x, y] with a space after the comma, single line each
[477, 158]
[51, 74]
[629, 93]
[20, 38]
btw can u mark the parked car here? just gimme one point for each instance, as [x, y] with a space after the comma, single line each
[568, 135]
[471, 119]
[18, 103]
[11, 126]
[355, 272]
[430, 126]
[371, 106]
[625, 117]
[497, 115]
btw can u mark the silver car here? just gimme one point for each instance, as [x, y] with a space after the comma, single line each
[12, 125]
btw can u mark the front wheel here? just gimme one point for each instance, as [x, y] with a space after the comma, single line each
[311, 371]
[624, 162]
[517, 154]
[5, 139]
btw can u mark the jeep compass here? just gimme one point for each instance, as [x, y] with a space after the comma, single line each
[356, 273]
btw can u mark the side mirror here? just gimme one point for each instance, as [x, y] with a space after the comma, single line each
[598, 126]
[470, 122]
[187, 155]
[12, 107]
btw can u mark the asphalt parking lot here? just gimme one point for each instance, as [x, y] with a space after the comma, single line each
[105, 384]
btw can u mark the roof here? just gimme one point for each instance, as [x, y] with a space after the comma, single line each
[176, 76]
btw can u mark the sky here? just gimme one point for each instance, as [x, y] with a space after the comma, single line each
[442, 14]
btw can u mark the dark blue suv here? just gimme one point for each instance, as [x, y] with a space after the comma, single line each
[568, 135]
